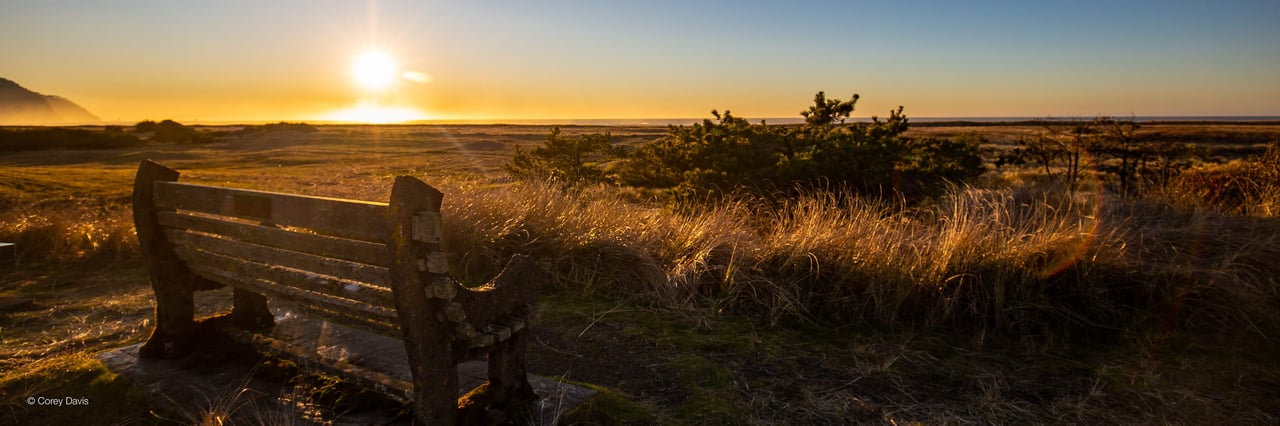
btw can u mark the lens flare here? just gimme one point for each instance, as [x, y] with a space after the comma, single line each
[416, 76]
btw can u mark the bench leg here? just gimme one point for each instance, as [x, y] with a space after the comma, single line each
[508, 380]
[175, 309]
[250, 310]
[170, 279]
[435, 385]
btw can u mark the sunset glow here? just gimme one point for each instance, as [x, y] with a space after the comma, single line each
[250, 61]
[372, 113]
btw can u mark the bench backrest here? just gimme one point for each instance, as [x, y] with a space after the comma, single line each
[328, 255]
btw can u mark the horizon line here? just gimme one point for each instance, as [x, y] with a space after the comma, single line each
[664, 121]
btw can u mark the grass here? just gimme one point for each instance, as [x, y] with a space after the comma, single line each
[63, 230]
[83, 388]
[1018, 259]
[63, 312]
[739, 370]
[1000, 303]
[609, 407]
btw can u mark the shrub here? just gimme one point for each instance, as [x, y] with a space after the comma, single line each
[933, 160]
[145, 126]
[704, 157]
[570, 160]
[172, 131]
[716, 157]
[281, 127]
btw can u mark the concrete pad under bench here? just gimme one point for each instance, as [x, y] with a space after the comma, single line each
[184, 386]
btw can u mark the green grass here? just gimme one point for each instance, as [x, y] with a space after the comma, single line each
[700, 367]
[97, 392]
[609, 407]
[711, 392]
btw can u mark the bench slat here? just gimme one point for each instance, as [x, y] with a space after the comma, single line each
[379, 278]
[361, 220]
[321, 245]
[309, 303]
[359, 323]
[281, 282]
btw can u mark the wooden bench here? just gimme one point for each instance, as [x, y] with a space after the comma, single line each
[372, 266]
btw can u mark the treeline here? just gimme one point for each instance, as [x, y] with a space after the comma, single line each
[109, 137]
[280, 127]
[29, 139]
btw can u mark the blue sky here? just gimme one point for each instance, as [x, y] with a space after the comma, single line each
[241, 60]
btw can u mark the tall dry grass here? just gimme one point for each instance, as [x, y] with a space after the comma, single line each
[596, 241]
[1249, 187]
[1019, 259]
[998, 257]
[1207, 267]
[68, 229]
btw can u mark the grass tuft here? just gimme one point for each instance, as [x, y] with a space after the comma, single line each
[67, 230]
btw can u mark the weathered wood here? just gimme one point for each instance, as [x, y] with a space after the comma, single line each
[373, 324]
[381, 382]
[378, 277]
[426, 227]
[171, 281]
[428, 341]
[320, 245]
[508, 380]
[371, 266]
[262, 279]
[361, 220]
[515, 287]
[249, 310]
[370, 325]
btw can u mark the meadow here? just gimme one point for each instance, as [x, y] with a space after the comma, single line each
[1009, 299]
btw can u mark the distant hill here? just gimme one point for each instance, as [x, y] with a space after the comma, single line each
[18, 105]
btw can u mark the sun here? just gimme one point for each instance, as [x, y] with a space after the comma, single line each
[374, 70]
[377, 76]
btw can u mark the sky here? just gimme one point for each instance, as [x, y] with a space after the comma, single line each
[247, 61]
